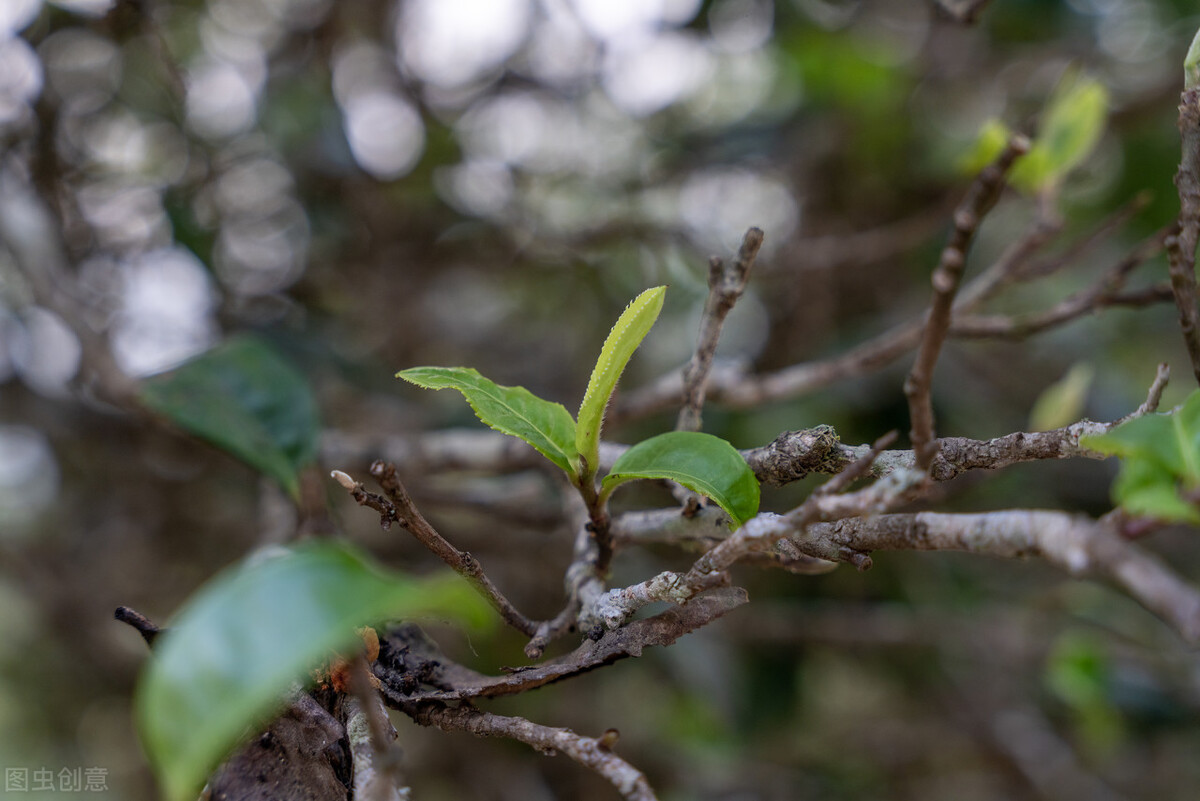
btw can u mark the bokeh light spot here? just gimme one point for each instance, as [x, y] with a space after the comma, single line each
[20, 78]
[45, 352]
[220, 101]
[29, 478]
[645, 76]
[718, 205]
[453, 42]
[385, 133]
[166, 312]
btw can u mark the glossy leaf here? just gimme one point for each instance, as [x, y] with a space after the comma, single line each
[244, 398]
[1160, 462]
[1062, 402]
[701, 462]
[236, 647]
[628, 332]
[1071, 125]
[516, 411]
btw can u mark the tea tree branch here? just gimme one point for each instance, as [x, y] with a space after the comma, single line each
[981, 197]
[591, 753]
[725, 287]
[758, 535]
[730, 385]
[1181, 247]
[1073, 543]
[371, 736]
[399, 507]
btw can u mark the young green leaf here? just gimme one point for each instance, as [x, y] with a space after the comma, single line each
[628, 332]
[223, 668]
[701, 462]
[1160, 462]
[1071, 126]
[516, 411]
[1191, 64]
[244, 398]
[992, 138]
[1062, 402]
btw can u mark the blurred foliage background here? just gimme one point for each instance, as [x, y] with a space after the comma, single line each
[375, 185]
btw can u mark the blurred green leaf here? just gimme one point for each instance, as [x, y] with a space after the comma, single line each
[626, 334]
[244, 638]
[1078, 672]
[857, 73]
[987, 146]
[1062, 402]
[1077, 669]
[516, 411]
[244, 398]
[701, 462]
[1071, 125]
[1160, 462]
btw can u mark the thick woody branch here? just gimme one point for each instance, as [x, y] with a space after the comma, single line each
[1079, 545]
[981, 197]
[725, 287]
[410, 664]
[1181, 248]
[791, 456]
[589, 752]
[703, 530]
[794, 455]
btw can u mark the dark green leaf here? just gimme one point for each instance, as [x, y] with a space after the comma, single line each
[244, 398]
[546, 426]
[238, 645]
[701, 462]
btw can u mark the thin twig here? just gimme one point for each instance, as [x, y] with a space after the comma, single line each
[725, 287]
[410, 662]
[550, 630]
[1018, 327]
[145, 626]
[589, 752]
[1079, 248]
[1105, 291]
[157, 39]
[402, 510]
[1154, 395]
[732, 387]
[758, 535]
[982, 195]
[1181, 248]
[377, 760]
